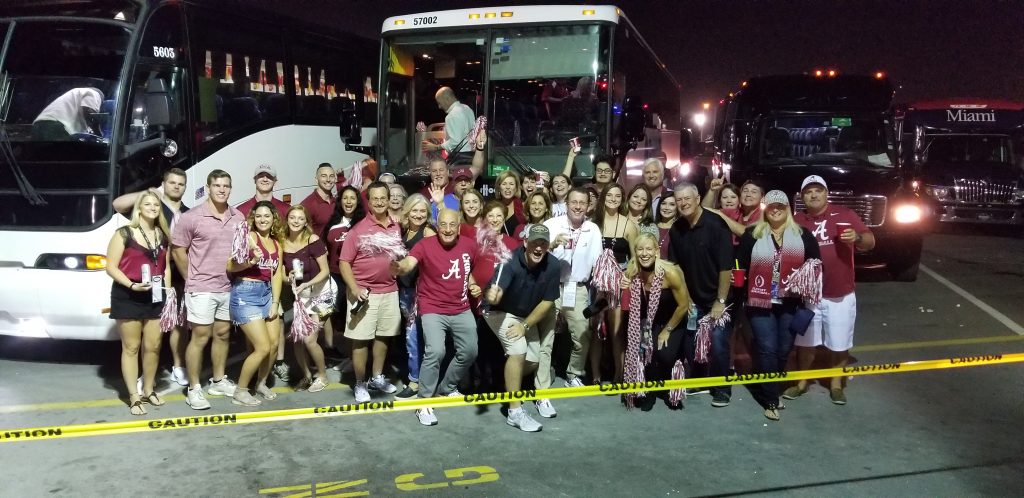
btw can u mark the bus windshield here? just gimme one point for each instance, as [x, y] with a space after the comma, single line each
[540, 89]
[965, 149]
[829, 139]
[59, 85]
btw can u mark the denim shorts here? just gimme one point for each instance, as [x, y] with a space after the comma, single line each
[250, 300]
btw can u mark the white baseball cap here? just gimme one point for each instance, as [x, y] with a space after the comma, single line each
[811, 180]
[265, 168]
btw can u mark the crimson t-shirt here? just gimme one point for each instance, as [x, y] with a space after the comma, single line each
[308, 255]
[320, 211]
[443, 285]
[836, 256]
[282, 208]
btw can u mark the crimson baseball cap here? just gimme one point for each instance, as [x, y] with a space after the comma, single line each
[810, 180]
[265, 168]
[462, 174]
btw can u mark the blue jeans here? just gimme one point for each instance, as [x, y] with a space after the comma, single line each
[413, 344]
[774, 341]
[720, 354]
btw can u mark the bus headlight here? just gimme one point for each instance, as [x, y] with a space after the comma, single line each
[940, 193]
[75, 262]
[907, 213]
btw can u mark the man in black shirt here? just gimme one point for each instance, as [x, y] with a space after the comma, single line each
[534, 276]
[701, 244]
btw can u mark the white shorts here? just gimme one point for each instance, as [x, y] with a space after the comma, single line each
[832, 324]
[528, 344]
[205, 307]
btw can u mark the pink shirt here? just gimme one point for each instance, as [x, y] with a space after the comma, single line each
[836, 256]
[372, 271]
[320, 211]
[282, 207]
[208, 242]
[443, 283]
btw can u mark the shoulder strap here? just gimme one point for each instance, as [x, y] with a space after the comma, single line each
[126, 234]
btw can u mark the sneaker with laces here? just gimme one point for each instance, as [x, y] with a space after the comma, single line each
[243, 397]
[574, 382]
[454, 394]
[319, 384]
[362, 395]
[267, 393]
[545, 408]
[178, 375]
[426, 416]
[222, 387]
[719, 400]
[281, 372]
[195, 399]
[379, 383]
[518, 418]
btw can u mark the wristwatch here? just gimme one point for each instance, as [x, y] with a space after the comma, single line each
[720, 301]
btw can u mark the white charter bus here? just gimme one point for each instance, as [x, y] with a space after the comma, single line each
[197, 85]
[542, 75]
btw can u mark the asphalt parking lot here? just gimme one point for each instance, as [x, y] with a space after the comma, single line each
[934, 433]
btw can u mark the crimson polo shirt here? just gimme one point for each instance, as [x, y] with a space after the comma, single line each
[443, 283]
[207, 240]
[320, 211]
[372, 271]
[837, 271]
[282, 207]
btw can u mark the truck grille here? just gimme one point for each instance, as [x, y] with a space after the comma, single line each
[967, 190]
[870, 208]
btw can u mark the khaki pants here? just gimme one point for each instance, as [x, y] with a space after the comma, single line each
[579, 331]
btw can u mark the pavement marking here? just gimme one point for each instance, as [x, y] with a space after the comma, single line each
[453, 478]
[101, 403]
[1001, 318]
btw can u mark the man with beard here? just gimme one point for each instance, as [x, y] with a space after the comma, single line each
[533, 277]
[442, 293]
[320, 203]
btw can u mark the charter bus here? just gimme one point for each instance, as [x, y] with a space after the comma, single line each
[968, 154]
[780, 129]
[542, 75]
[197, 85]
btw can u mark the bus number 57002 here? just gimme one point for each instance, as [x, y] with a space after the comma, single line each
[424, 20]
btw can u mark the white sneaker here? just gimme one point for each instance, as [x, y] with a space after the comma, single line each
[243, 397]
[222, 387]
[574, 382]
[520, 419]
[319, 384]
[454, 394]
[426, 416]
[379, 383]
[178, 375]
[362, 395]
[545, 408]
[267, 393]
[196, 400]
[138, 386]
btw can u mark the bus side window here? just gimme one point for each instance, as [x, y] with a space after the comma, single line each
[326, 72]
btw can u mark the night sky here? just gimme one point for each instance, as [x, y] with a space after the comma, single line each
[931, 49]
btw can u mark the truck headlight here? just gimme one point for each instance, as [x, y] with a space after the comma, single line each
[907, 213]
[938, 192]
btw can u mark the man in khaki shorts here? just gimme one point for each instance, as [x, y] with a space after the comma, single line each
[371, 285]
[534, 277]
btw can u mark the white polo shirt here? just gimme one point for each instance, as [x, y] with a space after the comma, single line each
[579, 255]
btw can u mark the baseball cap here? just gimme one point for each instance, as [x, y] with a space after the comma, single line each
[388, 175]
[265, 168]
[539, 232]
[462, 173]
[813, 179]
[775, 197]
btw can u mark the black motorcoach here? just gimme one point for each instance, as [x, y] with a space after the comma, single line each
[779, 129]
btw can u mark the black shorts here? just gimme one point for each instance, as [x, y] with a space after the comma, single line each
[126, 304]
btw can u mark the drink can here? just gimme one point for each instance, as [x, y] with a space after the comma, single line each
[297, 269]
[146, 275]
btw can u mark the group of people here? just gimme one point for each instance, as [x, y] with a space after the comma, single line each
[658, 277]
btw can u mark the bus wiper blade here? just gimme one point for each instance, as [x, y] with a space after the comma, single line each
[24, 186]
[517, 162]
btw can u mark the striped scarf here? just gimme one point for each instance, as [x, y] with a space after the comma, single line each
[639, 341]
[762, 266]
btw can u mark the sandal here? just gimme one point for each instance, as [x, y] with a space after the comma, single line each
[136, 408]
[152, 399]
[771, 414]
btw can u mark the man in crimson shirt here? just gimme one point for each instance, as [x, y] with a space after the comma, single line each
[320, 203]
[265, 177]
[839, 232]
[442, 292]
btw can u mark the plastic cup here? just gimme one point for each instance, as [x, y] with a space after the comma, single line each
[841, 227]
[739, 277]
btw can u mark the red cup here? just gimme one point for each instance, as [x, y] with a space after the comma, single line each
[841, 227]
[739, 277]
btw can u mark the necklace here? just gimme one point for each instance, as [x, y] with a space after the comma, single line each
[152, 248]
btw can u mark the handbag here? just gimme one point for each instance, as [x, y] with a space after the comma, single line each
[801, 320]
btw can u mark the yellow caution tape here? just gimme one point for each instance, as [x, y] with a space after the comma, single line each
[129, 426]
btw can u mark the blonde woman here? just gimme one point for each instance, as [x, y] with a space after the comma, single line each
[255, 300]
[137, 260]
[313, 285]
[416, 226]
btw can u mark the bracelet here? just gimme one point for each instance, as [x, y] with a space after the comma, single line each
[481, 150]
[131, 286]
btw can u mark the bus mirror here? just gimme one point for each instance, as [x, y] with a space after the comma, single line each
[634, 116]
[158, 103]
[918, 140]
[350, 130]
